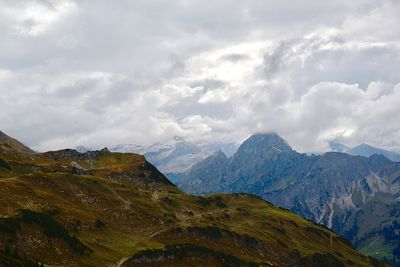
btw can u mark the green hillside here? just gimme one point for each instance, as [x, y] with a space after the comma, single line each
[109, 209]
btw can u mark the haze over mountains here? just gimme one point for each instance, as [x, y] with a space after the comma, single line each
[364, 150]
[175, 156]
[98, 208]
[357, 197]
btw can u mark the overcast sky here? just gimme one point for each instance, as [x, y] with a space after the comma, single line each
[100, 73]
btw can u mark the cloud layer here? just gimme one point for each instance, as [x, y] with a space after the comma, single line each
[99, 73]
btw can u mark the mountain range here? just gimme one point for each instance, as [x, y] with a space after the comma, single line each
[364, 150]
[357, 197]
[174, 156]
[98, 208]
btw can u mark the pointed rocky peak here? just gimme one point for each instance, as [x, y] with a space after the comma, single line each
[260, 146]
[216, 159]
[260, 143]
[9, 144]
[219, 154]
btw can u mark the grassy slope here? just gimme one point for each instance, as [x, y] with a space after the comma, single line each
[120, 206]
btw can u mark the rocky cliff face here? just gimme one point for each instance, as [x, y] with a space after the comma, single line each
[355, 196]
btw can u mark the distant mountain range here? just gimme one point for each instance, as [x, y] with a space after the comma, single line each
[357, 197]
[175, 156]
[364, 150]
[98, 208]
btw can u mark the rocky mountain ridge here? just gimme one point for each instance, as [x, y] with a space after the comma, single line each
[355, 196]
[364, 150]
[119, 210]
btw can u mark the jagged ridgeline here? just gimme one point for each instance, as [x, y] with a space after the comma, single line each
[357, 197]
[67, 208]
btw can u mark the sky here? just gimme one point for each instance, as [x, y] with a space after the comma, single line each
[100, 73]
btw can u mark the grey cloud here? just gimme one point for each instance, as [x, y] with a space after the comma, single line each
[105, 72]
[208, 84]
[215, 111]
[235, 57]
[86, 86]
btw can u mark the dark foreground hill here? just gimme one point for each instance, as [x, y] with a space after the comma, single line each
[99, 208]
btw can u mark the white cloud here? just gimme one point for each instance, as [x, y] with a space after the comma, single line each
[33, 18]
[100, 73]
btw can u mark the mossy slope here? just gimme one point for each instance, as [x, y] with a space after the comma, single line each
[111, 209]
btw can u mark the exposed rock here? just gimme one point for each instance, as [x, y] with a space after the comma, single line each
[71, 153]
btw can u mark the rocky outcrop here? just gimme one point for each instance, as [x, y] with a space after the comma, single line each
[73, 154]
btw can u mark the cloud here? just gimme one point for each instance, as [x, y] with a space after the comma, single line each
[100, 73]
